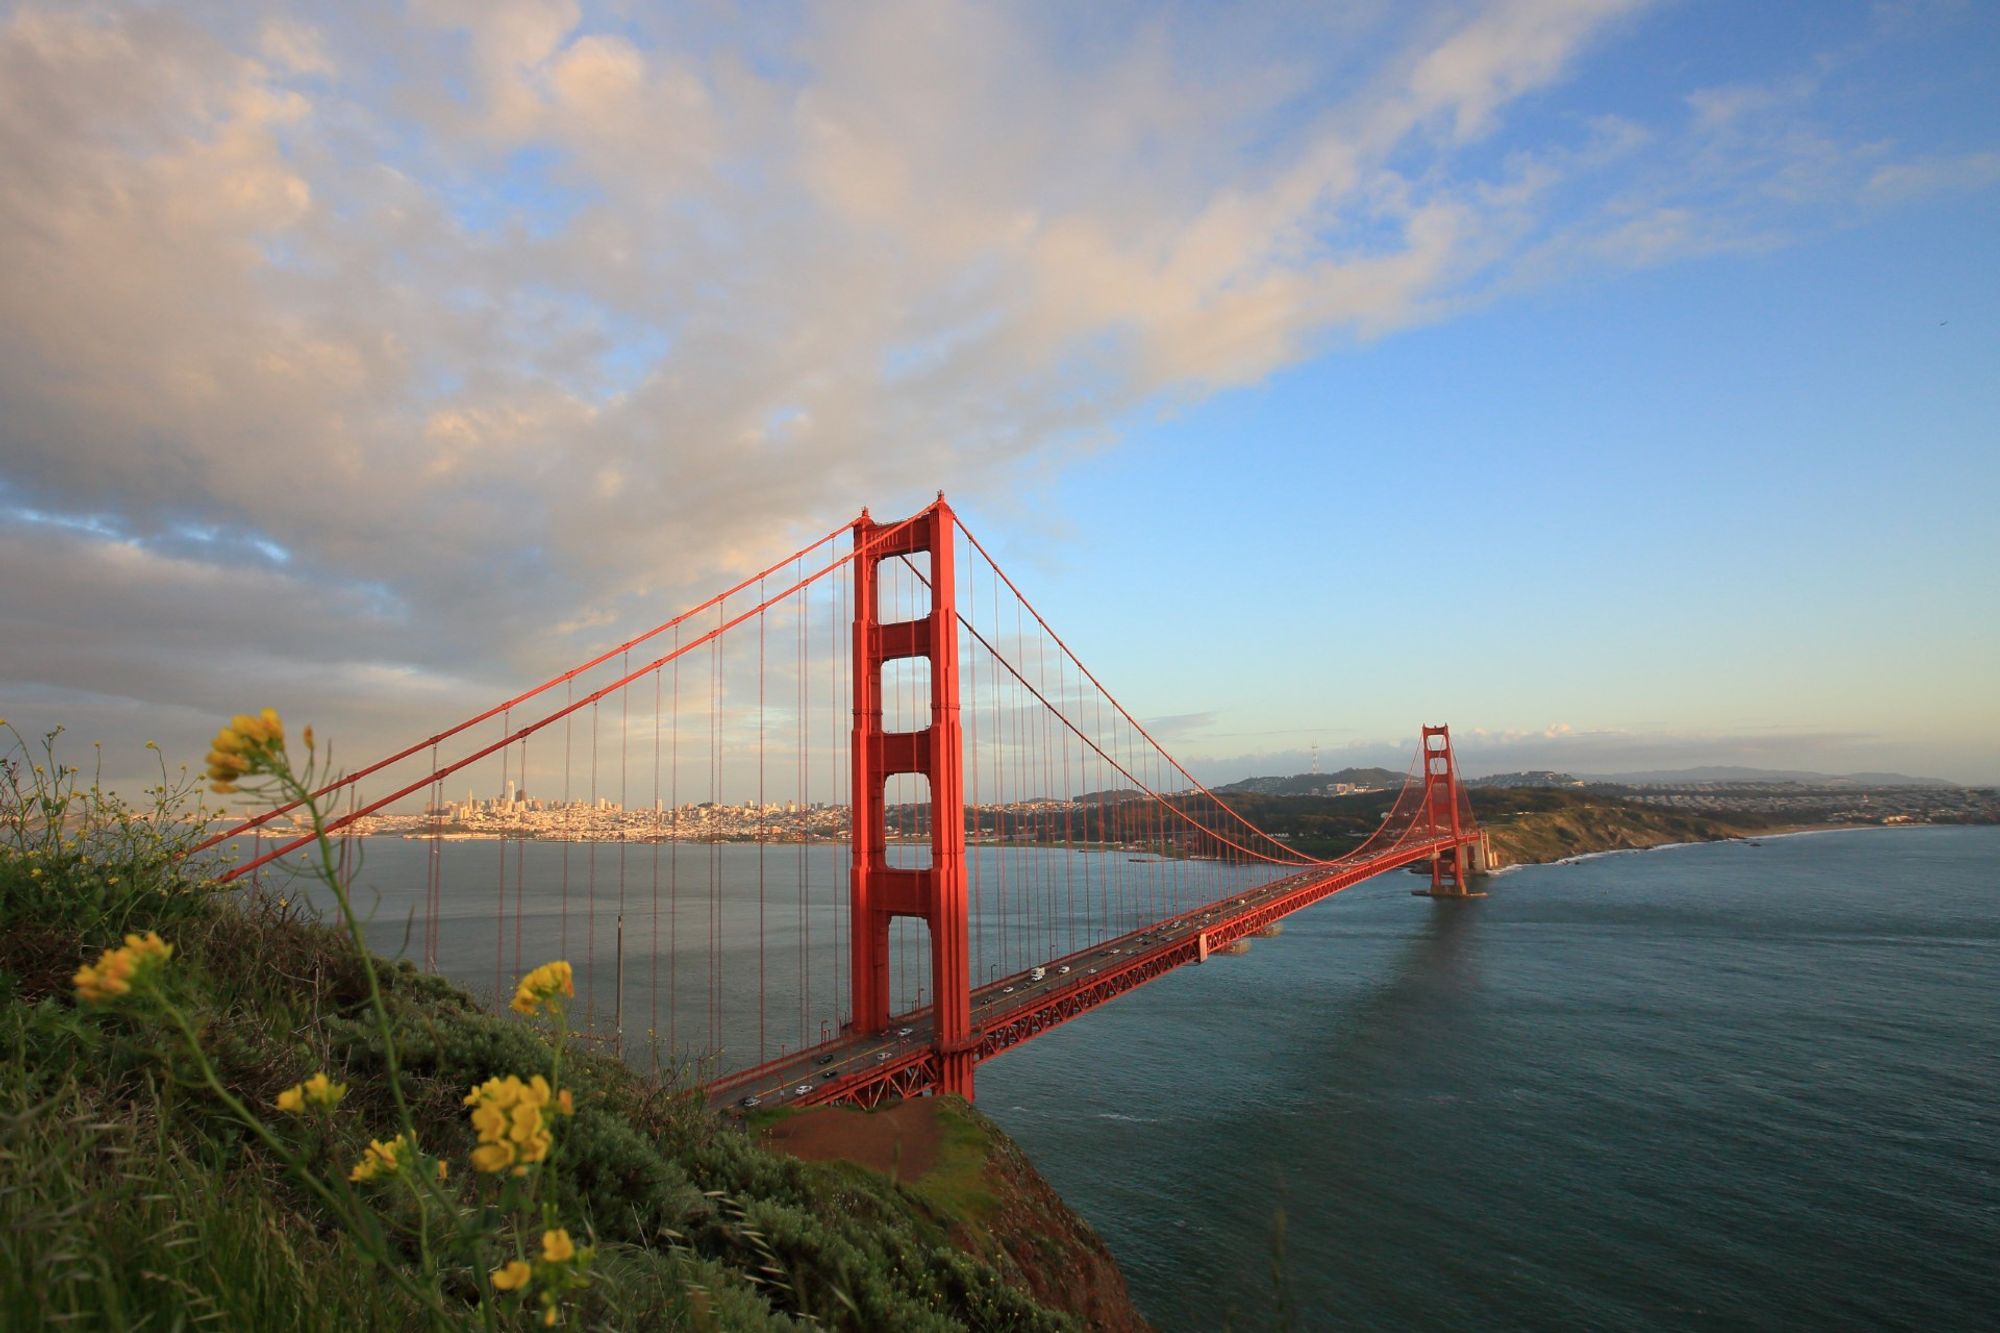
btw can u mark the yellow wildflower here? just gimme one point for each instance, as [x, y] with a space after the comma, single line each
[507, 1115]
[116, 971]
[557, 1247]
[319, 1091]
[541, 987]
[511, 1276]
[564, 1103]
[245, 746]
[149, 945]
[264, 728]
[309, 736]
[384, 1159]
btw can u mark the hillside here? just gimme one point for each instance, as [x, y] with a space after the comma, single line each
[1530, 825]
[697, 1223]
[1307, 784]
[1728, 773]
[154, 1176]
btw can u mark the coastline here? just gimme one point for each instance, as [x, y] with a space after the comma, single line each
[1753, 836]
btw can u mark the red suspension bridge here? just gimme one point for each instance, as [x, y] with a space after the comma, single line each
[839, 833]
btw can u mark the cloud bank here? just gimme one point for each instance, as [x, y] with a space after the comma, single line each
[421, 344]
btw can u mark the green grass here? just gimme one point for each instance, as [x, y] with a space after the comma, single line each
[956, 1186]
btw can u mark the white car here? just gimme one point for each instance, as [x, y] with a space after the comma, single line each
[802, 1089]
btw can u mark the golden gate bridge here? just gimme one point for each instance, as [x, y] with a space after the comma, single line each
[1019, 848]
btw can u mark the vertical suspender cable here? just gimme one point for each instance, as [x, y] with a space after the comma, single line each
[674, 870]
[624, 828]
[715, 697]
[763, 989]
[568, 817]
[653, 949]
[590, 890]
[521, 859]
[500, 846]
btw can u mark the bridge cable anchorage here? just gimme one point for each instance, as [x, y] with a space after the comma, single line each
[924, 831]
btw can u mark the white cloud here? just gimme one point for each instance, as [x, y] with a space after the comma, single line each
[496, 316]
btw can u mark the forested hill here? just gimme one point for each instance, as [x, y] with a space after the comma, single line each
[1527, 823]
[1313, 784]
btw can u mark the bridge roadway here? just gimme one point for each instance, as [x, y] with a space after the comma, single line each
[866, 1070]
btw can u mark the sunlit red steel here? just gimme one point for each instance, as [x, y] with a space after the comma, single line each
[879, 891]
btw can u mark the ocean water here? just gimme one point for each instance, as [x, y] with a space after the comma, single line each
[1718, 1086]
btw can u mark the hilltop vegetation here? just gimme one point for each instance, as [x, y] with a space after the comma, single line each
[1531, 825]
[132, 1193]
[1308, 784]
[1528, 824]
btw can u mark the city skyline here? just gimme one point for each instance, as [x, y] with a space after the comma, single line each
[1611, 380]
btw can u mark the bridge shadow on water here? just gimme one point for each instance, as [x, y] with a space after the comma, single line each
[1387, 1090]
[1416, 1004]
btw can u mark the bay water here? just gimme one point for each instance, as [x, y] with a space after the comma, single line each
[1715, 1086]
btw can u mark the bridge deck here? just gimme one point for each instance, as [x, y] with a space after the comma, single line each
[865, 1070]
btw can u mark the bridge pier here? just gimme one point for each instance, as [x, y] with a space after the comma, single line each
[1451, 874]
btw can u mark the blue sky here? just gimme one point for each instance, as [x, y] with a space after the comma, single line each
[1738, 509]
[1609, 378]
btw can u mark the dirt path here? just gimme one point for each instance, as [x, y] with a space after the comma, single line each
[901, 1142]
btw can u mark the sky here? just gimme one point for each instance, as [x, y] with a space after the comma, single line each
[1611, 379]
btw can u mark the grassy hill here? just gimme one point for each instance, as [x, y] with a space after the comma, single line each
[1528, 824]
[135, 1193]
[1532, 825]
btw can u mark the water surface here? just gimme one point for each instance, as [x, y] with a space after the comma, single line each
[1723, 1086]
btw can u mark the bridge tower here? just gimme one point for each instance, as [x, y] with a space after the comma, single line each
[1440, 817]
[878, 892]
